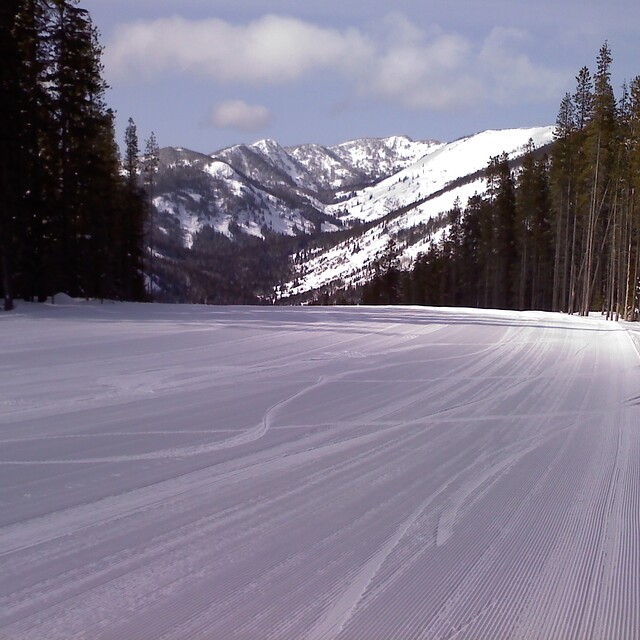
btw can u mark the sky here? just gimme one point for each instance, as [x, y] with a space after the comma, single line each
[207, 74]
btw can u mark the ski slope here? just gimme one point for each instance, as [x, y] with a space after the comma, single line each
[287, 473]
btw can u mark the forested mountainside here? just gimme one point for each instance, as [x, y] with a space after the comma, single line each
[561, 234]
[305, 212]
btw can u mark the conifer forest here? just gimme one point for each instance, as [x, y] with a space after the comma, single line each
[560, 233]
[72, 215]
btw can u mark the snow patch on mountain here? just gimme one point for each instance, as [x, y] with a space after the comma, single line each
[384, 156]
[350, 262]
[328, 171]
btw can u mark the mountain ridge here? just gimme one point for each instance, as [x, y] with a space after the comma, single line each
[375, 188]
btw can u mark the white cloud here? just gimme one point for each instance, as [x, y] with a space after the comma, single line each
[271, 50]
[237, 114]
[397, 63]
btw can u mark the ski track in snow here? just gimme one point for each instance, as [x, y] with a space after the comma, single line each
[172, 472]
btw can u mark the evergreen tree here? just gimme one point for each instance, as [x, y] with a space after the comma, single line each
[600, 152]
[533, 235]
[563, 161]
[579, 204]
[131, 154]
[37, 190]
[583, 99]
[453, 246]
[474, 214]
[133, 219]
[62, 185]
[12, 165]
[563, 235]
[79, 114]
[632, 292]
[385, 285]
[500, 238]
[150, 164]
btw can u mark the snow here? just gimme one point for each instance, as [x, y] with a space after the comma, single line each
[274, 154]
[438, 169]
[287, 184]
[244, 472]
[187, 207]
[387, 154]
[189, 222]
[221, 170]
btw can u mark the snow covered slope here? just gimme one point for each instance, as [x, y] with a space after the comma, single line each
[357, 163]
[265, 186]
[336, 473]
[381, 157]
[438, 169]
[240, 187]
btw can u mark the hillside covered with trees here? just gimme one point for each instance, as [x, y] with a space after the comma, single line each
[562, 233]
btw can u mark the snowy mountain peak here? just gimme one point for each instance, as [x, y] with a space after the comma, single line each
[268, 146]
[383, 156]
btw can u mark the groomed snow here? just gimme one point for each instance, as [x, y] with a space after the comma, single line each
[202, 472]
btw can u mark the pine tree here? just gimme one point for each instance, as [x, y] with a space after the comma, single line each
[499, 233]
[455, 285]
[131, 154]
[579, 204]
[583, 99]
[150, 164]
[567, 235]
[563, 161]
[66, 194]
[622, 278]
[133, 219]
[525, 212]
[37, 189]
[633, 301]
[470, 244]
[600, 152]
[79, 115]
[384, 286]
[533, 239]
[12, 165]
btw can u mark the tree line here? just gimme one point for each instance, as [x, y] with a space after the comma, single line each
[71, 219]
[561, 233]
[218, 269]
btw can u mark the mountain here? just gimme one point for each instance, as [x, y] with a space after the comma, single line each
[359, 163]
[265, 186]
[343, 203]
[241, 187]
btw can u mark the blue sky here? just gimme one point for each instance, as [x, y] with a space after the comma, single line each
[205, 74]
